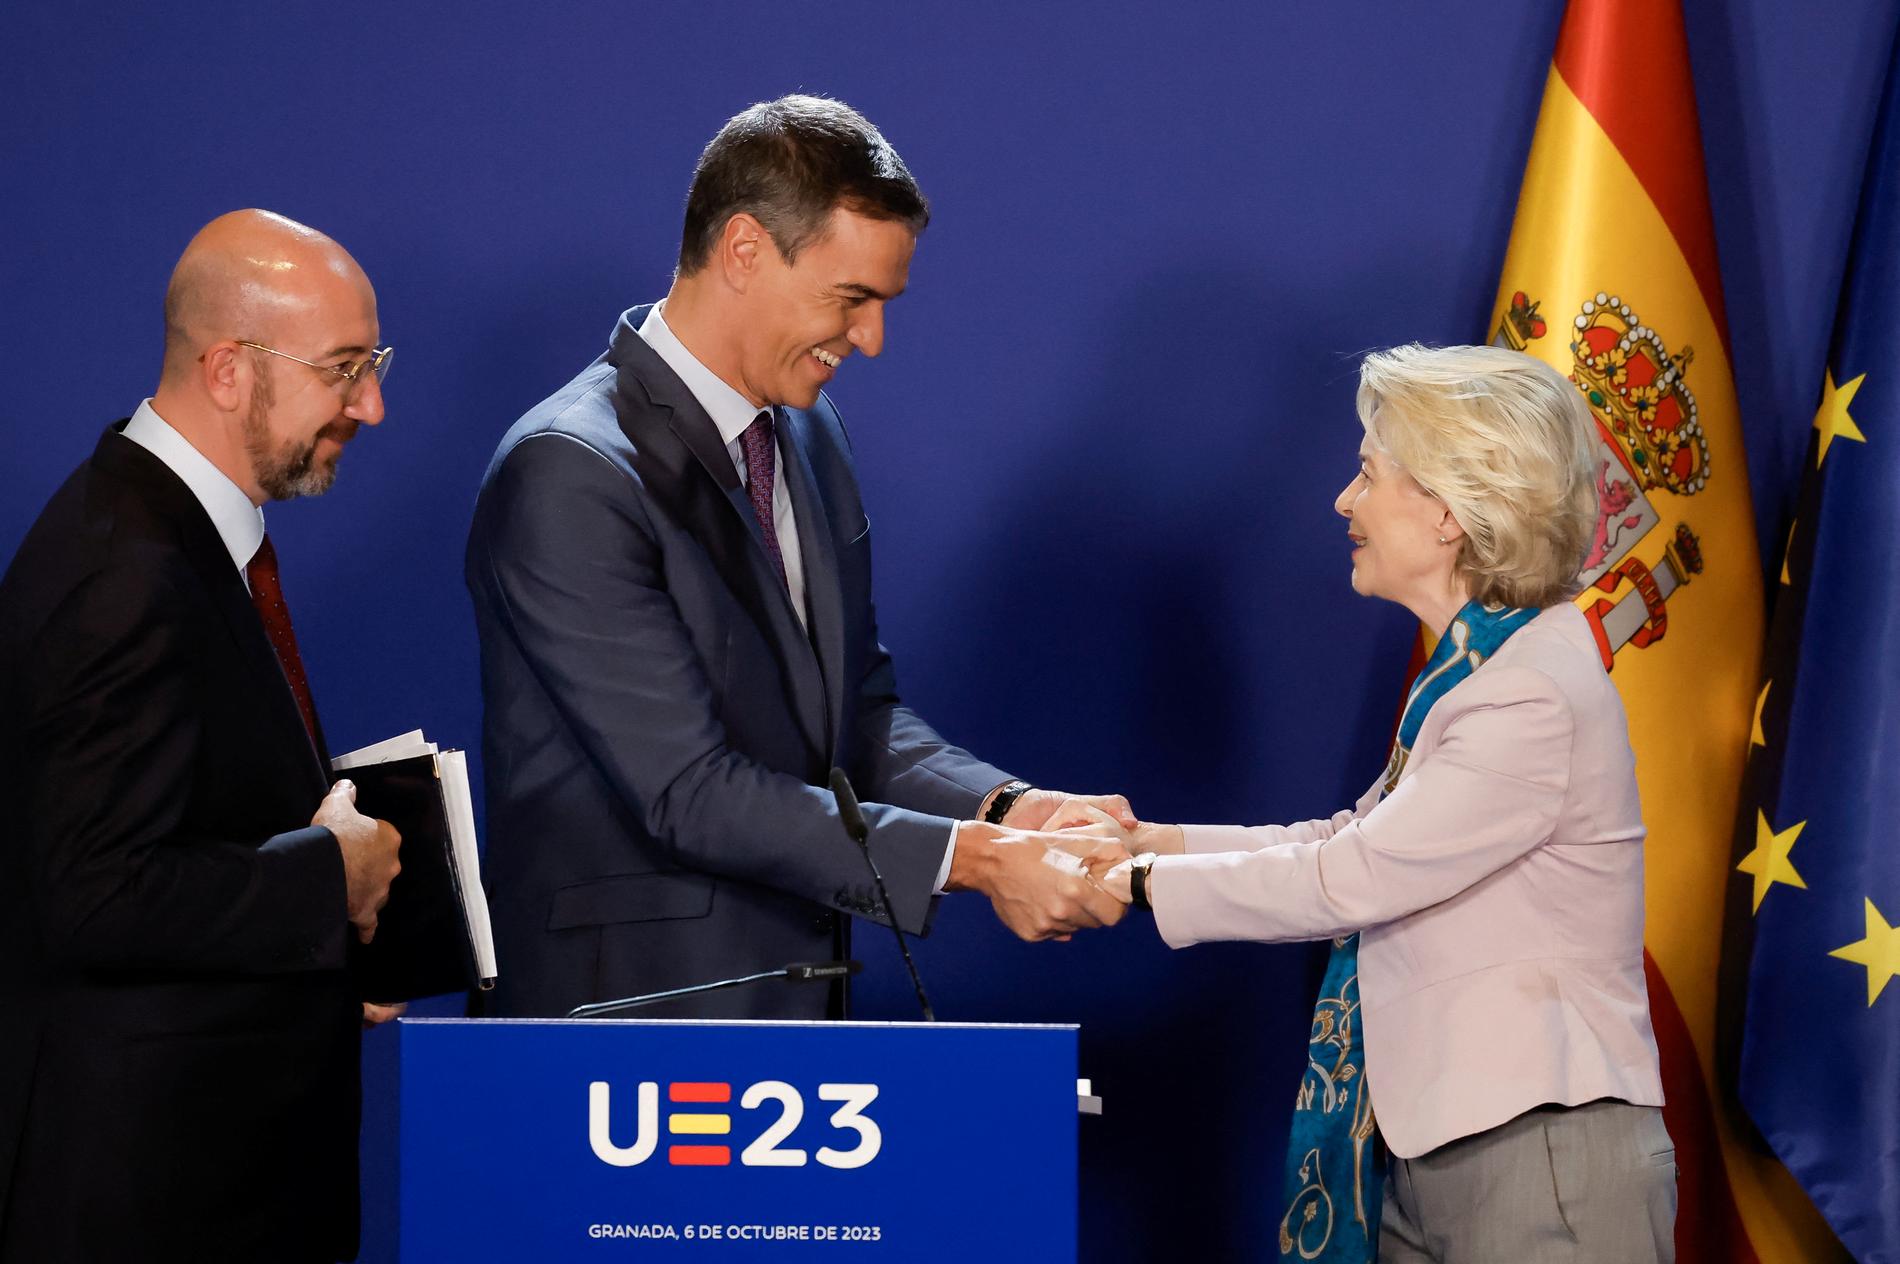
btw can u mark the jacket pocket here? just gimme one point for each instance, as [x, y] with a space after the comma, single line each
[631, 897]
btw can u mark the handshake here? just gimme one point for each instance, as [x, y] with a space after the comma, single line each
[1057, 863]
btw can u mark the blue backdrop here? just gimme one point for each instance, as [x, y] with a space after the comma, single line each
[1100, 449]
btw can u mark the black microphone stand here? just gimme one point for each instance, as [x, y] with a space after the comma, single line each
[801, 972]
[853, 817]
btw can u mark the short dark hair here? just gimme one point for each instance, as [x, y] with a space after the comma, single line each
[788, 163]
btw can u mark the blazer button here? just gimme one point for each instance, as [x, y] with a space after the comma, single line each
[825, 923]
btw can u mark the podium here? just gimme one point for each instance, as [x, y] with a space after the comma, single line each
[627, 1139]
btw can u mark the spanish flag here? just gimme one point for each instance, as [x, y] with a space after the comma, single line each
[1611, 277]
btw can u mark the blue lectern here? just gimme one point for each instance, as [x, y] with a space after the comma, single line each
[612, 1140]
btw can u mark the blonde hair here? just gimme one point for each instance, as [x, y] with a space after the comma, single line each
[1509, 446]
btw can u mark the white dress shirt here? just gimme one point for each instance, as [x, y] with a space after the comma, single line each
[240, 524]
[732, 413]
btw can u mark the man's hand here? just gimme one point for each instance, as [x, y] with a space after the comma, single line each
[1106, 850]
[369, 854]
[375, 1015]
[1033, 808]
[1038, 884]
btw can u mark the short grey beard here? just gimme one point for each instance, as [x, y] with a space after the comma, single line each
[289, 471]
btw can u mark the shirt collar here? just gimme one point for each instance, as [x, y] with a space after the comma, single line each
[730, 411]
[240, 524]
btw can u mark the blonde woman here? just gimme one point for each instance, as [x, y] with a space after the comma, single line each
[1486, 894]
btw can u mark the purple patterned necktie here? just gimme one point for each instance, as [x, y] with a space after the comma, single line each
[756, 442]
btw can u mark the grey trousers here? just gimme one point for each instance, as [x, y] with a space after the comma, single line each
[1590, 1184]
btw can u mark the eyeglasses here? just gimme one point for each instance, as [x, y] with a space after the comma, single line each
[351, 371]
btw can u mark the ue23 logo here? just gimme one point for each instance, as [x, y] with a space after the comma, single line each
[699, 1134]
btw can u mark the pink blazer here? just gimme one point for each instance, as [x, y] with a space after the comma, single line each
[1498, 889]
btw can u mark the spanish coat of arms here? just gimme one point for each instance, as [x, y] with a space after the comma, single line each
[1652, 443]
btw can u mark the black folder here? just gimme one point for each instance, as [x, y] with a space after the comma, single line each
[424, 944]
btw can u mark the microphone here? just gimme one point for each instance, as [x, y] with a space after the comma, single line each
[853, 817]
[797, 972]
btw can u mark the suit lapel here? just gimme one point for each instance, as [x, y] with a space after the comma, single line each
[690, 424]
[647, 386]
[274, 694]
[204, 549]
[824, 597]
[650, 396]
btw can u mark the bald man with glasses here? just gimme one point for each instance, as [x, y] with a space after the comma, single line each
[179, 881]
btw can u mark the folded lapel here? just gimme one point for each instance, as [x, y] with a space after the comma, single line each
[692, 427]
[649, 388]
[204, 549]
[241, 617]
[645, 382]
[824, 597]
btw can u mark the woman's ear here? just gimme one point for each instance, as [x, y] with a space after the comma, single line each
[1450, 531]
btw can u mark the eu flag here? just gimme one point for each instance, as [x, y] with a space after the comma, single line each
[1820, 1070]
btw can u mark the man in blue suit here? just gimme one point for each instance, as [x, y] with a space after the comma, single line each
[671, 571]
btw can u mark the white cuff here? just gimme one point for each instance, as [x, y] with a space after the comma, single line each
[949, 854]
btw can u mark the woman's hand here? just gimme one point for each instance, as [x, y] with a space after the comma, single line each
[1119, 881]
[1033, 808]
[1082, 818]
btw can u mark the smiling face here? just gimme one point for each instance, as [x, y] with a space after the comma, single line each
[803, 319]
[299, 417]
[1396, 527]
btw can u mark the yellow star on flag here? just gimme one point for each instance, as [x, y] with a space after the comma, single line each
[1755, 736]
[1769, 861]
[1832, 418]
[1879, 952]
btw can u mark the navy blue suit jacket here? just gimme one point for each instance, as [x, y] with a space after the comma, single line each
[658, 727]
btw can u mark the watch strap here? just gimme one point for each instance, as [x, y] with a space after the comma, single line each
[1138, 872]
[1005, 800]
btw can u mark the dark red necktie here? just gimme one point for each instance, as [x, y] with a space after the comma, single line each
[267, 594]
[756, 442]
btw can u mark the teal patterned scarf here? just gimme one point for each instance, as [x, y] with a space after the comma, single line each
[1334, 1142]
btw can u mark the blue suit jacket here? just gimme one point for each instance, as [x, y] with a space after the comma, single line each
[658, 727]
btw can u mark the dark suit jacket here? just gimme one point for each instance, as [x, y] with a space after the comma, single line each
[658, 727]
[178, 1052]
